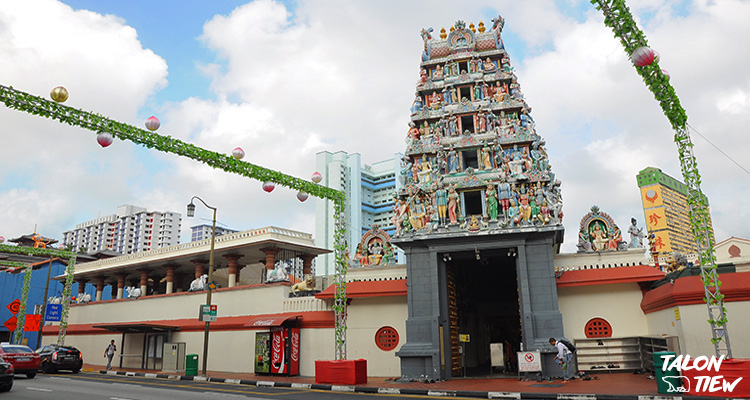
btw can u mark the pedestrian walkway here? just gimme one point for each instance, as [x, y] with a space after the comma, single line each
[620, 385]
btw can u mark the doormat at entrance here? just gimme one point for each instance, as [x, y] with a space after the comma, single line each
[546, 385]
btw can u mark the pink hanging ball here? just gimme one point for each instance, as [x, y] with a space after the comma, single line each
[664, 71]
[238, 153]
[268, 186]
[104, 139]
[317, 177]
[302, 196]
[152, 123]
[2, 239]
[643, 56]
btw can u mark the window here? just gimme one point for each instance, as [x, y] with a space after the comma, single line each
[386, 338]
[597, 327]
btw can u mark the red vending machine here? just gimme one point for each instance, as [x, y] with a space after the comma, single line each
[285, 351]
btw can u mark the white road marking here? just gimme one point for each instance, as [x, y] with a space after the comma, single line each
[39, 389]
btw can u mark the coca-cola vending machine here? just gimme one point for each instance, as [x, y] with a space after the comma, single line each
[285, 351]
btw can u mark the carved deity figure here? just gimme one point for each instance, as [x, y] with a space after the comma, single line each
[417, 213]
[489, 66]
[598, 237]
[636, 234]
[441, 201]
[426, 171]
[453, 201]
[491, 200]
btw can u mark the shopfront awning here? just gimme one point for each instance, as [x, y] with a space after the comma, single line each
[268, 320]
[137, 327]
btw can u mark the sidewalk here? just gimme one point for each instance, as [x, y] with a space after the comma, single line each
[622, 385]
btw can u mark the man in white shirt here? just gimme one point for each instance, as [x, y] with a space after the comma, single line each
[563, 357]
[109, 353]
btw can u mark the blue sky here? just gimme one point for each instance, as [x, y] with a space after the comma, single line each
[285, 80]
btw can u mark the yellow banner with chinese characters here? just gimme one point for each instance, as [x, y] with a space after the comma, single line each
[651, 196]
[656, 219]
[662, 244]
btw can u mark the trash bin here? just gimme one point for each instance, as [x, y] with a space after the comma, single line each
[672, 381]
[191, 365]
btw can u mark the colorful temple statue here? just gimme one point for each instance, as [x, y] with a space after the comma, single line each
[598, 232]
[374, 249]
[473, 159]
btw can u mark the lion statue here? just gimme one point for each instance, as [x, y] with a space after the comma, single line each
[304, 286]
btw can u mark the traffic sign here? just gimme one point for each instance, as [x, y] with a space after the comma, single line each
[208, 313]
[10, 324]
[14, 306]
[53, 312]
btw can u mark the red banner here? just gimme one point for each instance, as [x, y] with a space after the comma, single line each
[32, 322]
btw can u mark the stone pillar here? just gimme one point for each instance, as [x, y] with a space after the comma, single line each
[234, 269]
[99, 287]
[270, 256]
[144, 281]
[307, 264]
[81, 287]
[120, 285]
[200, 267]
[170, 277]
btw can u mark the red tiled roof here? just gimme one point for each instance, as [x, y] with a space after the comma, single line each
[605, 276]
[309, 320]
[735, 286]
[394, 287]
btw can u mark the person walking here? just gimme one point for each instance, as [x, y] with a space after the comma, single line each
[563, 357]
[109, 353]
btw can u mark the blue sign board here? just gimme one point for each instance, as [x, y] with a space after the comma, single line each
[53, 312]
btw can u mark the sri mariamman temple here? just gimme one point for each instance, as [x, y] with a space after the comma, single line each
[479, 219]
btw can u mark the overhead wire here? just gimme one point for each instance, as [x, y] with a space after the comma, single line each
[718, 149]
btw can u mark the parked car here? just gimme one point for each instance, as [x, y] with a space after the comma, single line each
[6, 376]
[24, 360]
[55, 358]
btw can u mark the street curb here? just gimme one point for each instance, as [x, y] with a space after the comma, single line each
[407, 391]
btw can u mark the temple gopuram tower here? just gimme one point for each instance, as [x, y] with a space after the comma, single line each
[480, 212]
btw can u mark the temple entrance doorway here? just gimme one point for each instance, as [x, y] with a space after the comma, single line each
[483, 304]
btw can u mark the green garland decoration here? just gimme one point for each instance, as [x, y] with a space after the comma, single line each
[13, 264]
[21, 316]
[617, 16]
[68, 288]
[42, 107]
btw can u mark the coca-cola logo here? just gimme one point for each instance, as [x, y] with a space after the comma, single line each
[295, 346]
[277, 350]
[266, 322]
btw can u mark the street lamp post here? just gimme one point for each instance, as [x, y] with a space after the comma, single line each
[190, 213]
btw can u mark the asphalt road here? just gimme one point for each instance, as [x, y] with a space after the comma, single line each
[94, 386]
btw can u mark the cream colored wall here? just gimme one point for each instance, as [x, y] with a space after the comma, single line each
[619, 304]
[228, 350]
[695, 332]
[267, 299]
[365, 317]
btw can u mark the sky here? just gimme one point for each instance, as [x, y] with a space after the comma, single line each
[286, 80]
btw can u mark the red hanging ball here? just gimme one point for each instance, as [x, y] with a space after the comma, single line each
[104, 139]
[643, 56]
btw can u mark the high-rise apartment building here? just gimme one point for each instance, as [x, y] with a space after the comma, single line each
[666, 211]
[130, 230]
[370, 190]
[203, 231]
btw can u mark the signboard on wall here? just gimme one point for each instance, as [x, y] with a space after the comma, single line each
[529, 361]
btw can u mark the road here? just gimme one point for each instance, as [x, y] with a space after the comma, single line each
[94, 386]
